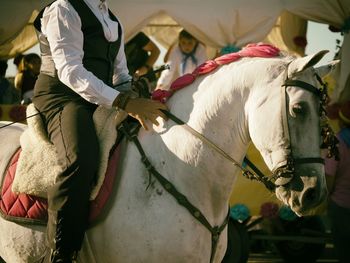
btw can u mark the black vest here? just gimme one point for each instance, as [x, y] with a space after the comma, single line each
[99, 54]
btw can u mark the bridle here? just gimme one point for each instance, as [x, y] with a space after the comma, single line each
[283, 175]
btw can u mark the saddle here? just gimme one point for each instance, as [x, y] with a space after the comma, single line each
[38, 167]
[33, 169]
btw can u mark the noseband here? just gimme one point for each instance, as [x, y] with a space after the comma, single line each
[283, 175]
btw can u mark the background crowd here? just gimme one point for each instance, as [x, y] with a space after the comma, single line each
[141, 54]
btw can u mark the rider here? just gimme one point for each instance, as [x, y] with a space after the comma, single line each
[82, 52]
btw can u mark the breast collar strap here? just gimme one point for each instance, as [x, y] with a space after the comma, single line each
[131, 134]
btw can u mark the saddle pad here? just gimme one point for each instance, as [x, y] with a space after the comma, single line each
[32, 176]
[23, 208]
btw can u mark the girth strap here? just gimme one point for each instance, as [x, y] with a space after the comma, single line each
[171, 189]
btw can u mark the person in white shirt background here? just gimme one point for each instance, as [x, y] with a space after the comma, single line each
[183, 58]
[82, 51]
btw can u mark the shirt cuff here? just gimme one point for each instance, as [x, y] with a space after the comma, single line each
[109, 96]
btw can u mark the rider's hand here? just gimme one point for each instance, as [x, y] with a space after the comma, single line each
[144, 109]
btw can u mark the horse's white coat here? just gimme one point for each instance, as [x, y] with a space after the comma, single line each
[236, 103]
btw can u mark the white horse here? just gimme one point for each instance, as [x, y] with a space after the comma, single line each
[235, 104]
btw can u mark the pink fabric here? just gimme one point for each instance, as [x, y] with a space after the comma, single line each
[101, 199]
[251, 50]
[161, 95]
[269, 210]
[24, 207]
[341, 171]
[259, 50]
[228, 58]
[182, 82]
[205, 68]
[332, 111]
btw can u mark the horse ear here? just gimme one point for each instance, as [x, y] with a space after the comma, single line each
[303, 63]
[328, 68]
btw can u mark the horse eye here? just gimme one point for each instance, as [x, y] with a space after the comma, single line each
[297, 109]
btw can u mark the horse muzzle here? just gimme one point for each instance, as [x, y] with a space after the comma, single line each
[302, 193]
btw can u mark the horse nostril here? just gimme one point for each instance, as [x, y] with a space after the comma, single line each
[309, 196]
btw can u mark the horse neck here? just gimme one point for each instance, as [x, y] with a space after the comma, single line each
[215, 108]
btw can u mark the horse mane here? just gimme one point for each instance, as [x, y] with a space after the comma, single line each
[251, 50]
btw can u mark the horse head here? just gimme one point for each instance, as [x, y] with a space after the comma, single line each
[287, 132]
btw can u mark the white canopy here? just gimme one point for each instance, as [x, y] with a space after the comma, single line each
[216, 23]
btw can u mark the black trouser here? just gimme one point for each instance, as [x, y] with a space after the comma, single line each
[71, 129]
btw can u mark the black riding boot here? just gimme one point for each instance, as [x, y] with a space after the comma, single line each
[61, 245]
[56, 256]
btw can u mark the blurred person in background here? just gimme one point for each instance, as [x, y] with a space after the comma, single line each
[141, 54]
[183, 58]
[8, 94]
[338, 184]
[29, 69]
[17, 60]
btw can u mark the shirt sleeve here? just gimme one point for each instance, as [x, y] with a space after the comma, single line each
[167, 75]
[201, 54]
[62, 27]
[121, 72]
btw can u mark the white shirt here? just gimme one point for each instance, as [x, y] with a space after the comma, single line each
[61, 25]
[175, 63]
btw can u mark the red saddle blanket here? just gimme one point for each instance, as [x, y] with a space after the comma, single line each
[25, 208]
